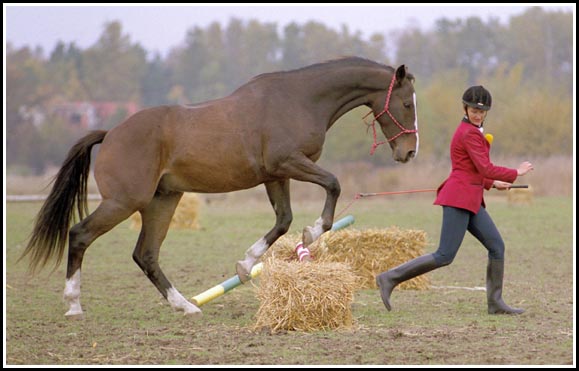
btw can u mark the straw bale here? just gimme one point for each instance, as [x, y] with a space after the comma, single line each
[520, 195]
[298, 296]
[284, 248]
[186, 215]
[373, 251]
[368, 252]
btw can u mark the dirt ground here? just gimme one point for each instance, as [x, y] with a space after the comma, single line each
[127, 322]
[433, 327]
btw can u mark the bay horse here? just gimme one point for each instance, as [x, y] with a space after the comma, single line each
[268, 131]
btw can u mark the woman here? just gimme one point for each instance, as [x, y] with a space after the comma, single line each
[461, 198]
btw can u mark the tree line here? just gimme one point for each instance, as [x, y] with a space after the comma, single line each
[527, 64]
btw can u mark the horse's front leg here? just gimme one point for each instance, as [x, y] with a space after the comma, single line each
[279, 196]
[325, 221]
[301, 168]
[310, 234]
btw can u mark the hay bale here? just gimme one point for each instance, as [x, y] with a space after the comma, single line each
[285, 247]
[520, 196]
[298, 296]
[368, 252]
[186, 215]
[373, 251]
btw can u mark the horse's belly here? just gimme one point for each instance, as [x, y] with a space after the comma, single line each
[215, 180]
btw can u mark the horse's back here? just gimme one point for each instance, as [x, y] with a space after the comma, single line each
[179, 148]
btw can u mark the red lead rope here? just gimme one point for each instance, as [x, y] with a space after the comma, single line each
[362, 195]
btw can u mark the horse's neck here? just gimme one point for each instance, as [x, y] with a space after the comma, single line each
[345, 89]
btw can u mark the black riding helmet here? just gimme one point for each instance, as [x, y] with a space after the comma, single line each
[477, 97]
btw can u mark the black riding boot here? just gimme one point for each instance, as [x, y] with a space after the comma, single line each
[388, 280]
[495, 271]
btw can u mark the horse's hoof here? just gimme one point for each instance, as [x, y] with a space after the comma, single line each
[242, 272]
[193, 312]
[74, 316]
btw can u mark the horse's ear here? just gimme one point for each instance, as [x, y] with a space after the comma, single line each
[400, 73]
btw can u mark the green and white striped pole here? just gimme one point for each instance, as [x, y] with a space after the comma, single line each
[234, 281]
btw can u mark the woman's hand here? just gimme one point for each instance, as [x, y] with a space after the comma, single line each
[501, 186]
[524, 168]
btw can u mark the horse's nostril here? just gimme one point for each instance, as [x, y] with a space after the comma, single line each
[411, 154]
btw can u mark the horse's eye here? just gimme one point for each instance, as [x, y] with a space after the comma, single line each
[407, 105]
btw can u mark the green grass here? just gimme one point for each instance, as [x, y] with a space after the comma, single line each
[128, 322]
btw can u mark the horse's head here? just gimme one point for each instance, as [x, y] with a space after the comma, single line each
[395, 111]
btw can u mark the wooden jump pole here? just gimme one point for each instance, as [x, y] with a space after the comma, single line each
[234, 281]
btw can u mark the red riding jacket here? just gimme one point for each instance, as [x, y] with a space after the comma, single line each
[472, 171]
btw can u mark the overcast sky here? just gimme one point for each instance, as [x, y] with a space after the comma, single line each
[159, 28]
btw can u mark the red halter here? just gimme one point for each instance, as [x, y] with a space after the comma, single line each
[403, 130]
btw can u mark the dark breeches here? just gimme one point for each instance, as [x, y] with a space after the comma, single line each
[455, 223]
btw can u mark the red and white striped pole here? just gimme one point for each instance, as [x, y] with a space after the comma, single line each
[303, 252]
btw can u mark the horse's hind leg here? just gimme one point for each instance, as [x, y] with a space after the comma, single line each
[108, 214]
[156, 220]
[279, 196]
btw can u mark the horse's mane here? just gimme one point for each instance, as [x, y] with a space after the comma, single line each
[345, 61]
[348, 61]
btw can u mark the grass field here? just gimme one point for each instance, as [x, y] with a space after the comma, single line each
[127, 322]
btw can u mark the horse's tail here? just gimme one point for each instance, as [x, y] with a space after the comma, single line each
[50, 231]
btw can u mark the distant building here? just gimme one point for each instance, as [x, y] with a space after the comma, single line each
[82, 115]
[77, 114]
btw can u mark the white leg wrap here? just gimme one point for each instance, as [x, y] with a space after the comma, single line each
[178, 302]
[72, 295]
[251, 256]
[317, 229]
[311, 234]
